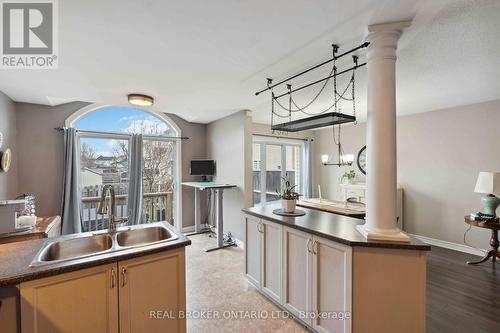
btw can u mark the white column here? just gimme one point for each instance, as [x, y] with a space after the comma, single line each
[381, 174]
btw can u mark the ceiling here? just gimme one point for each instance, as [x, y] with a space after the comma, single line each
[204, 60]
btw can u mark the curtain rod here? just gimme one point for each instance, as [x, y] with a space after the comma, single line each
[61, 129]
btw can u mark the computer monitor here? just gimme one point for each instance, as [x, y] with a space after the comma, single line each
[202, 168]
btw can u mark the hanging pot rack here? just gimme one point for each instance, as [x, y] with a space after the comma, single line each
[335, 57]
[321, 119]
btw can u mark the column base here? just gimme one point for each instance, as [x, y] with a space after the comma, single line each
[390, 236]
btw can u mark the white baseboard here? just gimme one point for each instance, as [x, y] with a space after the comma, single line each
[239, 243]
[451, 246]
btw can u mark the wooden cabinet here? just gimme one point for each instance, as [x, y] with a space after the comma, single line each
[271, 259]
[9, 310]
[297, 272]
[82, 301]
[263, 256]
[151, 284]
[317, 280]
[331, 285]
[119, 297]
[253, 250]
[307, 275]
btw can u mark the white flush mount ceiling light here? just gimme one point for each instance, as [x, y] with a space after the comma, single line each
[140, 99]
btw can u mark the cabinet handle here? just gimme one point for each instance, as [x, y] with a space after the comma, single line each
[307, 245]
[124, 276]
[113, 278]
[259, 227]
[313, 247]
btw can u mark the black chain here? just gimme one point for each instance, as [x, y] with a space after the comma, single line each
[353, 96]
[337, 97]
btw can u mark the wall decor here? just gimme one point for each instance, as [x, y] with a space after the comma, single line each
[5, 160]
[361, 161]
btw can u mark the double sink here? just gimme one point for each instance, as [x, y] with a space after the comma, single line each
[79, 246]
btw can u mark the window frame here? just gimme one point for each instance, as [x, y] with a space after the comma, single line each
[81, 113]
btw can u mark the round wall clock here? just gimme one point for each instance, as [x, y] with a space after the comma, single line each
[362, 160]
[5, 160]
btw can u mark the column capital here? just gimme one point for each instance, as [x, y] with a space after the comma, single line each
[383, 39]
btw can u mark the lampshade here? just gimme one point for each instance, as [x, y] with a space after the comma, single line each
[347, 158]
[488, 182]
[324, 159]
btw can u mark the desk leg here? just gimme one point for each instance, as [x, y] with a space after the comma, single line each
[220, 218]
[220, 223]
[197, 214]
[197, 210]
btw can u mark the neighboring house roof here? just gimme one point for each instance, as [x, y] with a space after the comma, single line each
[105, 158]
[96, 171]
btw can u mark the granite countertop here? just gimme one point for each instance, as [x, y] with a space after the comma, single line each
[40, 230]
[15, 259]
[338, 228]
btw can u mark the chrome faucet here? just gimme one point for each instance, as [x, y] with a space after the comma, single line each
[103, 209]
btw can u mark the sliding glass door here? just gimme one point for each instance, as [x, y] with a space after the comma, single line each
[273, 160]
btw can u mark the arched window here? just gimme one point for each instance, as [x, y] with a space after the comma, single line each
[104, 136]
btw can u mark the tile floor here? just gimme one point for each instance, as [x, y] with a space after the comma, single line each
[216, 283]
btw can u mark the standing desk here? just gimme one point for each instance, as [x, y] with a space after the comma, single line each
[218, 190]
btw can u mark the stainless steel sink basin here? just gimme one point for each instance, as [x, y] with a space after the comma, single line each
[76, 247]
[81, 246]
[143, 236]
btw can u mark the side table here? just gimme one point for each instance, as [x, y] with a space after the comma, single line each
[494, 227]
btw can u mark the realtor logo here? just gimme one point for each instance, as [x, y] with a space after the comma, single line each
[29, 34]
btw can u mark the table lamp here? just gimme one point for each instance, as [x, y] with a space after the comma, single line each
[489, 183]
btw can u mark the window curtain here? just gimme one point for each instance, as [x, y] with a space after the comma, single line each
[71, 212]
[308, 168]
[135, 180]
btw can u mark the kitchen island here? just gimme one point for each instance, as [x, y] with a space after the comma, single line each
[139, 270]
[324, 272]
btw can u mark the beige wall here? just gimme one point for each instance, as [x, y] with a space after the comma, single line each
[40, 150]
[8, 180]
[193, 148]
[229, 144]
[40, 153]
[439, 156]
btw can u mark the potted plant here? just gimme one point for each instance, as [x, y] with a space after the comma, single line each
[287, 195]
[349, 175]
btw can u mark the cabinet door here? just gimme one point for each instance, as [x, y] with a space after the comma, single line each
[271, 259]
[82, 301]
[297, 272]
[153, 293]
[253, 250]
[9, 313]
[331, 286]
